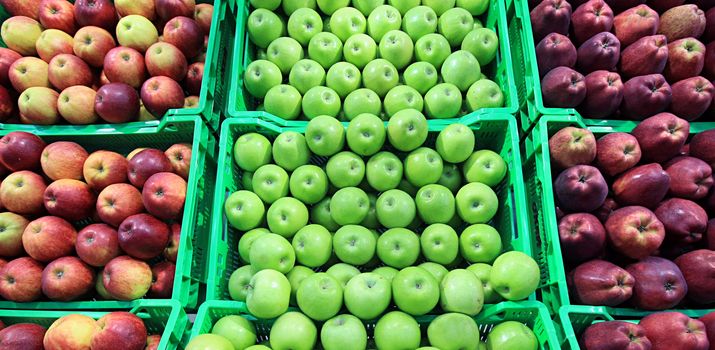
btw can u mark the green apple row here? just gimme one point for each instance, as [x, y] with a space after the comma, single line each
[424, 58]
[395, 330]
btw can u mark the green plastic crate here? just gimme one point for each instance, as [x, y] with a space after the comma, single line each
[531, 313]
[240, 101]
[540, 199]
[190, 269]
[495, 132]
[164, 317]
[212, 86]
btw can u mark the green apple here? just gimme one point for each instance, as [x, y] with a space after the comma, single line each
[238, 283]
[306, 74]
[512, 335]
[290, 150]
[290, 6]
[309, 184]
[398, 247]
[209, 341]
[270, 182]
[421, 76]
[261, 76]
[423, 166]
[370, 221]
[419, 21]
[432, 48]
[247, 180]
[304, 24]
[343, 272]
[485, 166]
[343, 332]
[293, 331]
[436, 270]
[478, 24]
[483, 272]
[451, 177]
[440, 243]
[462, 69]
[475, 7]
[480, 243]
[136, 32]
[345, 169]
[343, 78]
[320, 214]
[384, 171]
[295, 277]
[402, 97]
[515, 275]
[453, 331]
[404, 5]
[326, 49]
[283, 101]
[329, 7]
[271, 251]
[415, 291]
[265, 4]
[387, 272]
[244, 210]
[407, 130]
[268, 294]
[325, 135]
[361, 101]
[443, 101]
[439, 6]
[367, 295]
[407, 187]
[284, 52]
[455, 143]
[397, 47]
[382, 20]
[476, 203]
[320, 296]
[482, 43]
[484, 93]
[367, 6]
[359, 50]
[251, 151]
[246, 240]
[454, 24]
[395, 208]
[397, 330]
[321, 100]
[461, 291]
[366, 134]
[238, 330]
[354, 244]
[313, 245]
[435, 204]
[286, 216]
[380, 76]
[347, 21]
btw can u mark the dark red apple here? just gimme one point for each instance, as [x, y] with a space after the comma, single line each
[160, 94]
[644, 185]
[194, 77]
[168, 9]
[122, 328]
[97, 244]
[582, 236]
[184, 33]
[143, 236]
[22, 336]
[99, 13]
[698, 268]
[684, 220]
[614, 335]
[702, 146]
[599, 282]
[690, 178]
[662, 136]
[164, 195]
[659, 284]
[709, 321]
[69, 199]
[580, 188]
[162, 280]
[608, 207]
[675, 330]
[117, 103]
[21, 150]
[145, 164]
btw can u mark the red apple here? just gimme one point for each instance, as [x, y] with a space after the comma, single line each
[147, 163]
[582, 235]
[29, 72]
[164, 195]
[162, 280]
[21, 280]
[53, 42]
[143, 8]
[21, 7]
[7, 58]
[194, 78]
[97, 244]
[143, 236]
[172, 249]
[698, 268]
[69, 70]
[93, 43]
[74, 331]
[674, 330]
[21, 150]
[22, 336]
[23, 193]
[98, 13]
[684, 220]
[117, 103]
[122, 328]
[599, 282]
[180, 157]
[38, 105]
[117, 202]
[125, 65]
[63, 160]
[126, 278]
[184, 33]
[709, 321]
[659, 283]
[168, 9]
[103, 168]
[203, 14]
[134, 152]
[66, 279]
[165, 59]
[635, 231]
[11, 228]
[613, 335]
[690, 177]
[69, 199]
[49, 238]
[661, 137]
[160, 94]
[58, 14]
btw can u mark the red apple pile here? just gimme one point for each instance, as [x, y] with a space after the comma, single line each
[48, 193]
[633, 214]
[101, 60]
[115, 330]
[626, 59]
